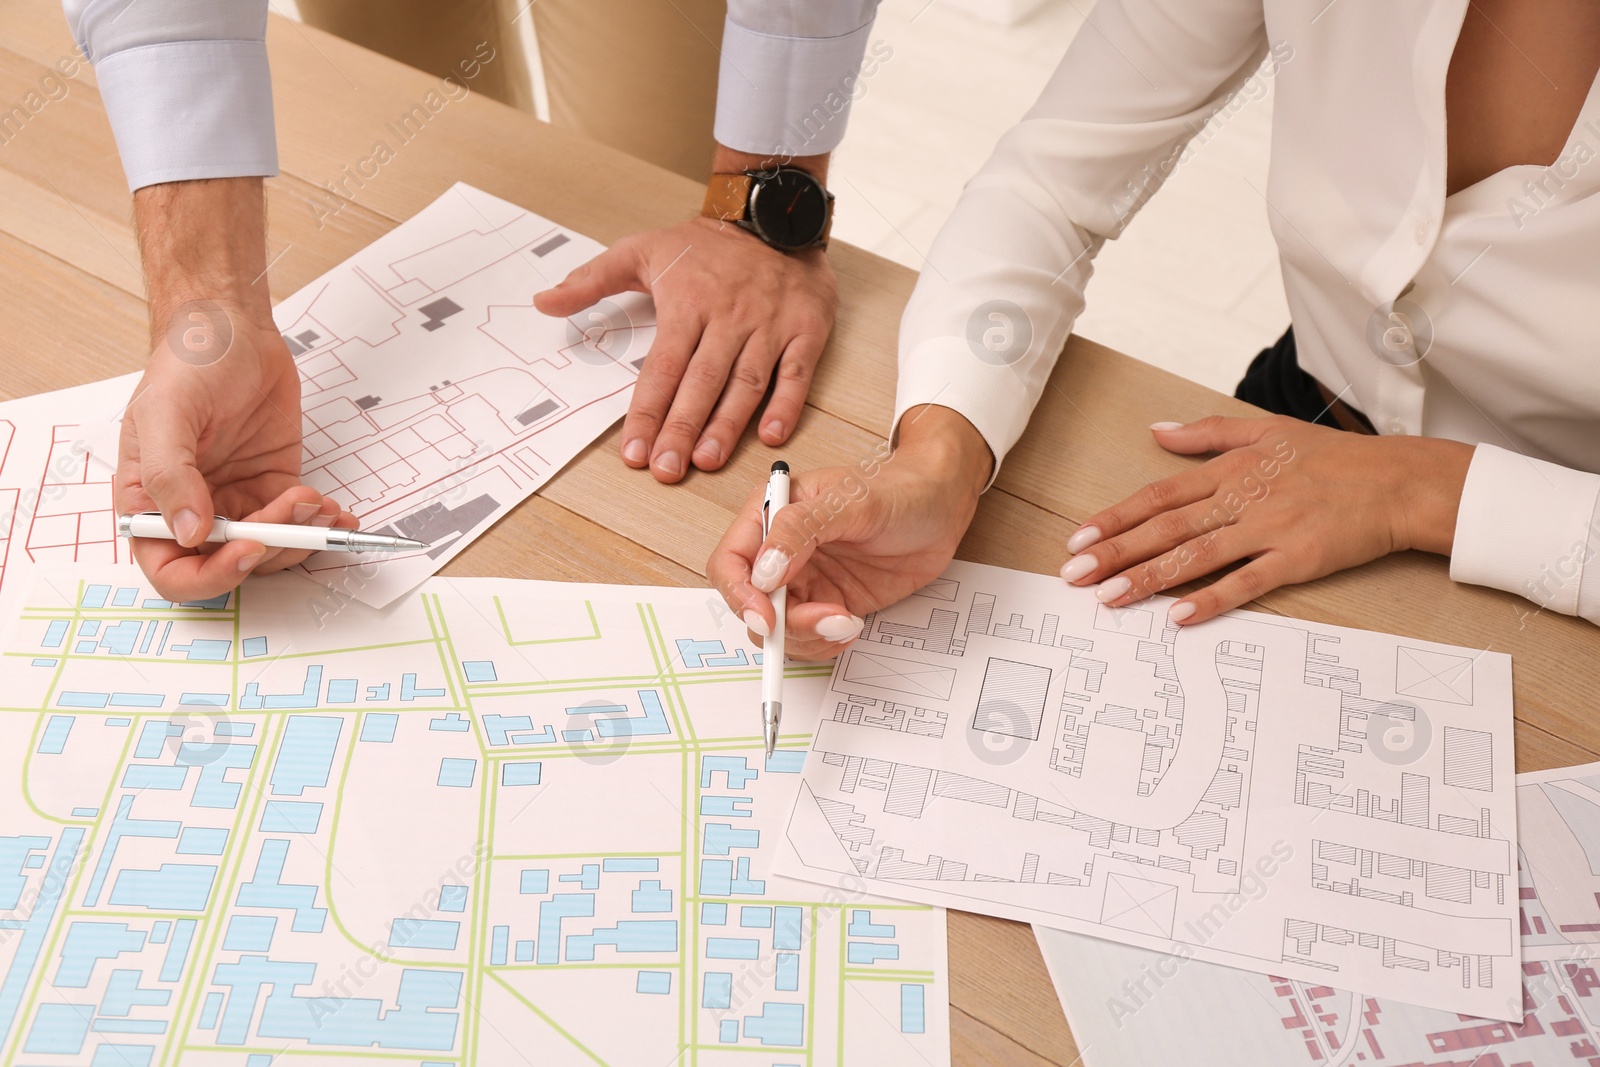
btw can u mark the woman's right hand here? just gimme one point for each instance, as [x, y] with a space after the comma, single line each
[855, 539]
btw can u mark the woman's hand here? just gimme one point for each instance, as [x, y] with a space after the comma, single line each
[1298, 500]
[854, 539]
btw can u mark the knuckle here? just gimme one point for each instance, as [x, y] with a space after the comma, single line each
[795, 372]
[704, 373]
[1203, 550]
[1171, 527]
[680, 426]
[1159, 496]
[748, 376]
[1250, 582]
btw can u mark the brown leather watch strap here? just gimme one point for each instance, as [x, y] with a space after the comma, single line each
[727, 197]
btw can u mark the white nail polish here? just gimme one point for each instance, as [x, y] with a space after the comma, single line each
[768, 571]
[1180, 611]
[755, 623]
[1078, 567]
[1163, 427]
[1112, 588]
[1083, 539]
[839, 628]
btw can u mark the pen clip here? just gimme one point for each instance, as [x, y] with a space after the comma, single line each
[766, 514]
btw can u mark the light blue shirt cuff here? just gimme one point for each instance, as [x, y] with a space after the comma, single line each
[188, 110]
[790, 96]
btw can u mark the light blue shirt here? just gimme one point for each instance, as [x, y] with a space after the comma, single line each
[189, 95]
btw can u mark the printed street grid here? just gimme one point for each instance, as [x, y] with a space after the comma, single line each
[521, 814]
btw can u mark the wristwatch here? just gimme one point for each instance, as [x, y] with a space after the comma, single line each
[786, 207]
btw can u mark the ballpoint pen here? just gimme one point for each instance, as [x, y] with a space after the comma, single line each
[273, 535]
[772, 658]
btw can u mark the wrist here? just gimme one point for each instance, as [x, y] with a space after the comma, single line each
[942, 441]
[203, 243]
[730, 161]
[1433, 478]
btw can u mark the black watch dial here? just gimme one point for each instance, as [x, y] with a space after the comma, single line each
[788, 208]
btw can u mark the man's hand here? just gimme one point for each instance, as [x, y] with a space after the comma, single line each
[1298, 501]
[855, 539]
[732, 315]
[214, 425]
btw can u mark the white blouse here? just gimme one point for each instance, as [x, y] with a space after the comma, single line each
[1493, 341]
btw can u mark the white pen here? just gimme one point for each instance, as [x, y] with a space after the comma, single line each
[273, 535]
[772, 659]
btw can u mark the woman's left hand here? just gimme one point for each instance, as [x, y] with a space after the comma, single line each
[1296, 499]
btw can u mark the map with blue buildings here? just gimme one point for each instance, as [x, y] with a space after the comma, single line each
[496, 822]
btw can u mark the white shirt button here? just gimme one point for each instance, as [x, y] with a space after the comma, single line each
[1424, 230]
[1395, 426]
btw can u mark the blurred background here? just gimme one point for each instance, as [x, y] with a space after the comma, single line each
[1192, 287]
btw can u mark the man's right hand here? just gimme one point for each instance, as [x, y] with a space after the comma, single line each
[214, 425]
[854, 540]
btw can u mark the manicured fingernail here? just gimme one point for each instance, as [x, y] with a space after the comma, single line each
[1163, 427]
[769, 569]
[1112, 588]
[756, 624]
[1078, 567]
[1180, 611]
[186, 524]
[248, 563]
[302, 512]
[670, 464]
[1081, 540]
[839, 628]
[708, 451]
[773, 429]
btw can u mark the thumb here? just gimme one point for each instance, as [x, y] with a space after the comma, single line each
[1213, 434]
[824, 511]
[615, 270]
[168, 474]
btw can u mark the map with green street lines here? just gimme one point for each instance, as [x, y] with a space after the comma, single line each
[496, 822]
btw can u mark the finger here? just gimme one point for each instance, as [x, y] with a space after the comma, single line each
[728, 569]
[807, 522]
[168, 475]
[696, 395]
[1169, 494]
[746, 384]
[301, 505]
[670, 352]
[1236, 589]
[616, 270]
[1214, 434]
[1162, 533]
[795, 370]
[819, 630]
[181, 575]
[1194, 558]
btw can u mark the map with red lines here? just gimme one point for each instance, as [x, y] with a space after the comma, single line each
[435, 398]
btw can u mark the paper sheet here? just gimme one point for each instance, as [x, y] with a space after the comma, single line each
[497, 822]
[1329, 804]
[1129, 1005]
[435, 398]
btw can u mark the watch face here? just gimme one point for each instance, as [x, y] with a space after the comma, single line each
[789, 208]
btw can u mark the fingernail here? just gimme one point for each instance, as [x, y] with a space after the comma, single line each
[773, 428]
[302, 512]
[248, 563]
[324, 520]
[186, 524]
[634, 452]
[1112, 588]
[769, 569]
[707, 451]
[670, 464]
[1078, 567]
[839, 628]
[1165, 426]
[755, 623]
[1081, 540]
[1180, 611]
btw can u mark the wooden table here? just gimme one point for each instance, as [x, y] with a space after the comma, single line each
[72, 311]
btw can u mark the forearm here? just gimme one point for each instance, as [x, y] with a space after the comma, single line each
[204, 241]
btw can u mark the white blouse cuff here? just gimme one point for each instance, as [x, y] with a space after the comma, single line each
[186, 110]
[1525, 526]
[947, 372]
[788, 96]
